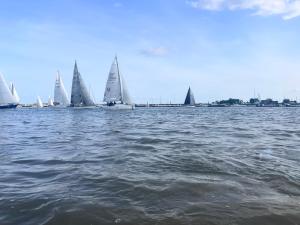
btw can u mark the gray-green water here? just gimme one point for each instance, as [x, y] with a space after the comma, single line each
[150, 166]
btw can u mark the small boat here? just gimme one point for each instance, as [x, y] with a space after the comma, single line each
[80, 97]
[39, 103]
[50, 102]
[190, 99]
[7, 99]
[60, 93]
[116, 94]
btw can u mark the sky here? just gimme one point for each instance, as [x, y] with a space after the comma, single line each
[221, 48]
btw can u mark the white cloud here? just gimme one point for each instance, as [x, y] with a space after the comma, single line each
[118, 4]
[157, 51]
[287, 9]
[207, 4]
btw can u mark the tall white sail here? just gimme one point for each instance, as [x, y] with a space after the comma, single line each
[116, 90]
[60, 93]
[113, 86]
[14, 93]
[50, 102]
[6, 96]
[39, 103]
[80, 95]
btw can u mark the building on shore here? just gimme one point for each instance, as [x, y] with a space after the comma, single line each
[254, 101]
[268, 103]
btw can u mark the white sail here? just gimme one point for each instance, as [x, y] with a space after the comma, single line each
[116, 90]
[6, 97]
[60, 93]
[125, 94]
[50, 102]
[39, 103]
[14, 93]
[113, 85]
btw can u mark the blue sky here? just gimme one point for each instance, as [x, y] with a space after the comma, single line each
[221, 48]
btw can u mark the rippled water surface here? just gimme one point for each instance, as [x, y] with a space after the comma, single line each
[150, 166]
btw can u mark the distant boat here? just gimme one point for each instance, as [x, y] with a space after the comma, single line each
[50, 102]
[60, 94]
[39, 103]
[80, 97]
[116, 94]
[14, 93]
[190, 99]
[7, 99]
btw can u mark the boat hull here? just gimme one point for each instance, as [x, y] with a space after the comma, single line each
[119, 107]
[9, 106]
[83, 107]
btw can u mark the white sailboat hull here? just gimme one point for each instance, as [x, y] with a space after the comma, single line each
[118, 107]
[83, 107]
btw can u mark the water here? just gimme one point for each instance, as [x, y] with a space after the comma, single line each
[150, 166]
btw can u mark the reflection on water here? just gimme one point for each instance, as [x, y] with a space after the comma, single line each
[150, 166]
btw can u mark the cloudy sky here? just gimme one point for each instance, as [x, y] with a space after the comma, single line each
[221, 48]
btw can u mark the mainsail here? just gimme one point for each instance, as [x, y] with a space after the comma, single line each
[189, 100]
[14, 93]
[116, 90]
[60, 94]
[80, 95]
[6, 96]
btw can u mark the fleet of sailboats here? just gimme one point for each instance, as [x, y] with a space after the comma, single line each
[116, 95]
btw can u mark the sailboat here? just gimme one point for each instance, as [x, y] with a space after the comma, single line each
[39, 103]
[14, 93]
[189, 100]
[50, 102]
[116, 94]
[7, 100]
[60, 94]
[80, 97]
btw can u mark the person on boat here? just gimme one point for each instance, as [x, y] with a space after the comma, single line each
[111, 103]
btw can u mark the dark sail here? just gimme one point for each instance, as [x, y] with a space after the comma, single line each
[80, 95]
[189, 100]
